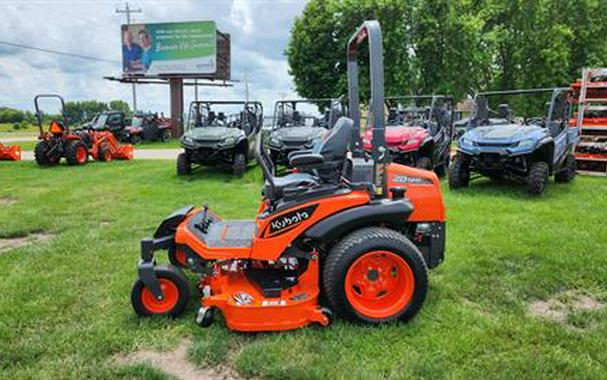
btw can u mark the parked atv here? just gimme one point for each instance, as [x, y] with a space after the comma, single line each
[59, 141]
[148, 127]
[299, 125]
[529, 149]
[418, 131]
[216, 138]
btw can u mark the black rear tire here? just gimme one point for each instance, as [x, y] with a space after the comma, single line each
[567, 172]
[459, 172]
[41, 154]
[537, 179]
[76, 153]
[135, 139]
[240, 164]
[184, 166]
[424, 163]
[167, 274]
[360, 242]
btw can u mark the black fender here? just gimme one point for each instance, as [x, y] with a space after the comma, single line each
[385, 211]
[168, 225]
[242, 146]
[545, 151]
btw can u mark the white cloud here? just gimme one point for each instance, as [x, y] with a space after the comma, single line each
[240, 15]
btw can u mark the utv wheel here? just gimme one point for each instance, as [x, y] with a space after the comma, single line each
[424, 163]
[76, 153]
[104, 154]
[165, 135]
[41, 154]
[375, 275]
[459, 172]
[174, 287]
[184, 166]
[567, 173]
[135, 139]
[239, 165]
[537, 179]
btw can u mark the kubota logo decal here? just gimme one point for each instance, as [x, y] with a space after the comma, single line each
[290, 220]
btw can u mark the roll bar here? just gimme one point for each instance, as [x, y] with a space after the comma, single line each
[369, 31]
[39, 113]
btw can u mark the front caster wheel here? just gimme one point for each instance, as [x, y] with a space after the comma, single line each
[205, 316]
[175, 290]
[328, 313]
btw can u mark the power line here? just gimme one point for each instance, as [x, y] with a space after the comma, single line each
[57, 52]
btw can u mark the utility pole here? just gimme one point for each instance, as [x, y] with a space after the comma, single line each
[127, 10]
[246, 85]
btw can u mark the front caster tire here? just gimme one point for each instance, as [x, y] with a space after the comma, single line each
[175, 289]
[240, 164]
[375, 275]
[205, 316]
[567, 173]
[537, 179]
[459, 172]
[184, 166]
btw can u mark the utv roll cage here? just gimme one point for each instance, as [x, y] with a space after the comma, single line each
[251, 114]
[435, 111]
[286, 113]
[557, 110]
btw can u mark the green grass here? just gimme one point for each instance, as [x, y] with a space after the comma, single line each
[171, 144]
[65, 309]
[8, 127]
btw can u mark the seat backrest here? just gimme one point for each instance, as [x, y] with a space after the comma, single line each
[334, 146]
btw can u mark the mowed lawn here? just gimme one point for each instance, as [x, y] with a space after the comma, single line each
[65, 310]
[171, 144]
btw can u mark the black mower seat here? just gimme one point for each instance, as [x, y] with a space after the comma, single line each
[294, 182]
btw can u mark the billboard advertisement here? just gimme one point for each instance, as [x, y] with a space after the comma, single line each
[169, 48]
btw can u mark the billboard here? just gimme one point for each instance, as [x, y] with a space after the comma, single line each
[169, 48]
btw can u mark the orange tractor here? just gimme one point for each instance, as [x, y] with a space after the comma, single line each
[59, 141]
[357, 229]
[10, 153]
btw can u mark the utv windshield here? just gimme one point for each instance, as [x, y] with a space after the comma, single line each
[535, 107]
[431, 111]
[137, 121]
[224, 114]
[321, 113]
[100, 120]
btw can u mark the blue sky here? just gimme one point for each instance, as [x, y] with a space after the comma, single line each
[259, 29]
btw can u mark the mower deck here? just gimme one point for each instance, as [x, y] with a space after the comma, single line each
[253, 299]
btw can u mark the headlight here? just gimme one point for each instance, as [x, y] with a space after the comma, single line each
[411, 141]
[366, 142]
[465, 141]
[524, 143]
[275, 141]
[228, 141]
[188, 139]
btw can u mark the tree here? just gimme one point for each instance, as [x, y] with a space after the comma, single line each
[120, 105]
[456, 47]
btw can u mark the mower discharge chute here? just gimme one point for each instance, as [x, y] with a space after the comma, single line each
[10, 153]
[362, 229]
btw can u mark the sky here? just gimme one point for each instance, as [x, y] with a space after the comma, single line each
[259, 30]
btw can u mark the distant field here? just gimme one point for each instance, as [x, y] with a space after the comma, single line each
[8, 127]
[65, 309]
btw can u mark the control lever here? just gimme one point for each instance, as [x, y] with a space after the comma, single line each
[205, 221]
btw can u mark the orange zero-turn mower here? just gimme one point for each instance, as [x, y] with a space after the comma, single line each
[58, 141]
[10, 153]
[105, 147]
[360, 230]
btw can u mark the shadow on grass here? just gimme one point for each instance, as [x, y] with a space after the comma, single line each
[511, 189]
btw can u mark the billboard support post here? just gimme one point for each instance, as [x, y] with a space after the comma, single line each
[176, 88]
